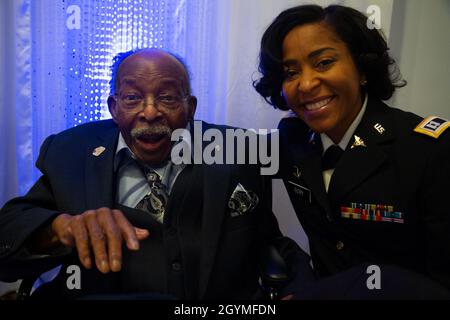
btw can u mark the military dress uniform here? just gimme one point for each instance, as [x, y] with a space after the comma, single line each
[388, 199]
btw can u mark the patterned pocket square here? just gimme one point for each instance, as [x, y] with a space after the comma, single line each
[242, 201]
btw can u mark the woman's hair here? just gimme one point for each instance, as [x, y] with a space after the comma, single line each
[367, 47]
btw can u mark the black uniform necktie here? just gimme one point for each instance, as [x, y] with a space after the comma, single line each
[331, 157]
[156, 200]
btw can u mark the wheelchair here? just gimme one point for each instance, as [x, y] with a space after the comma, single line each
[273, 276]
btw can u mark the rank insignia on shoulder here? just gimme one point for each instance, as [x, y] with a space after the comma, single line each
[433, 126]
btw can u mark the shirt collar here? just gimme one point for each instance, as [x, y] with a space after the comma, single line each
[123, 153]
[327, 142]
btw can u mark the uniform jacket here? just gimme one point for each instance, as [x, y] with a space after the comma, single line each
[399, 177]
[74, 180]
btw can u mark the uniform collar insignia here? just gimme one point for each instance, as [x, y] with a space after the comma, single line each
[379, 128]
[358, 142]
[296, 172]
[433, 126]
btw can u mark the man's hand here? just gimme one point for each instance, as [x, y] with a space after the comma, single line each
[100, 232]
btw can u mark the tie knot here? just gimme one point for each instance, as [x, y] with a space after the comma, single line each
[151, 175]
[331, 157]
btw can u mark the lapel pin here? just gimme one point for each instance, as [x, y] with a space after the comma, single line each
[358, 142]
[379, 128]
[98, 151]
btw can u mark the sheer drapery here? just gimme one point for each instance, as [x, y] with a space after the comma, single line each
[62, 51]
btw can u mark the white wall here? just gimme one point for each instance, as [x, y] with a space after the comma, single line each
[420, 40]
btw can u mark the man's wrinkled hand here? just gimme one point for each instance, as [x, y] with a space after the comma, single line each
[99, 234]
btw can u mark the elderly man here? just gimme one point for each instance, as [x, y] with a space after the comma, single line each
[119, 217]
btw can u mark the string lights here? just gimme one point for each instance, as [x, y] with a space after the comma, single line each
[108, 27]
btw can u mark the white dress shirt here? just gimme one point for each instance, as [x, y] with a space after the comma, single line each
[327, 142]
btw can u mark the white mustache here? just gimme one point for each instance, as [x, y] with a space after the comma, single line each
[158, 129]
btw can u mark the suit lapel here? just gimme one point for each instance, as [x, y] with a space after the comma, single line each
[99, 171]
[360, 162]
[216, 185]
[216, 181]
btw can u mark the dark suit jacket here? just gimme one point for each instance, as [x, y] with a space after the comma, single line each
[396, 167]
[74, 180]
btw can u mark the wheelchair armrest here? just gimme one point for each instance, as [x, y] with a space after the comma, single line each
[274, 271]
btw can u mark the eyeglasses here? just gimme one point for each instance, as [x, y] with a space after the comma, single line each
[162, 102]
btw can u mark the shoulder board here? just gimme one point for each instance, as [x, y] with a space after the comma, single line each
[433, 126]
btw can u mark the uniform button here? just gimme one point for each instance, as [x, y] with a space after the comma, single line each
[339, 245]
[176, 266]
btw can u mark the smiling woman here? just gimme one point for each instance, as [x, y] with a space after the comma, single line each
[367, 181]
[321, 82]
